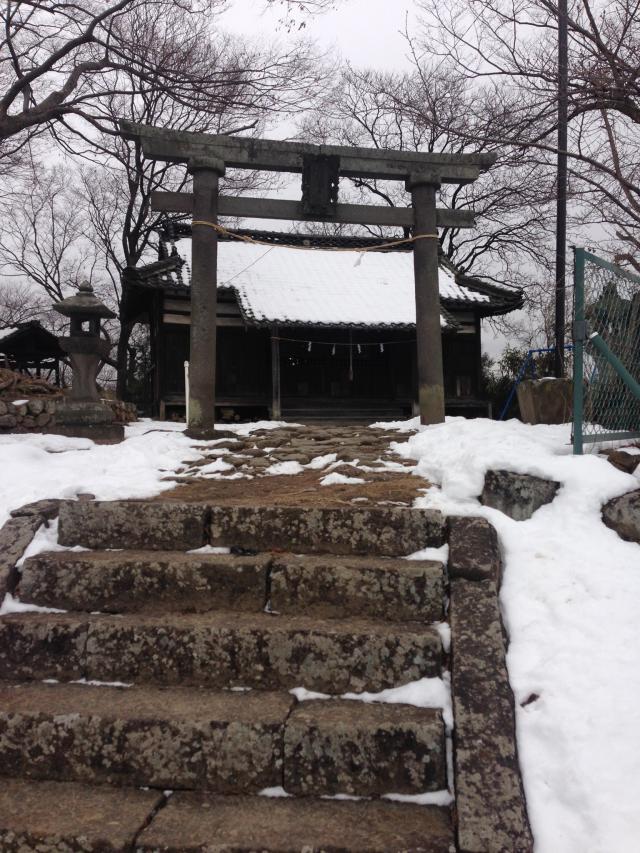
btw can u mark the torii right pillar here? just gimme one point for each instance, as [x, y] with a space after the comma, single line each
[423, 188]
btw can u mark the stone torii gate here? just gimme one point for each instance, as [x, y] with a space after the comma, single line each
[207, 156]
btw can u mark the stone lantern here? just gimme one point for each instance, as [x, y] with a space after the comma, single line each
[83, 413]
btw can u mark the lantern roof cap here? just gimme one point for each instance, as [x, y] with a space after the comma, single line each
[83, 303]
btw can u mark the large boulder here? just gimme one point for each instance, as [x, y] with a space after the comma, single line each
[545, 401]
[623, 515]
[517, 495]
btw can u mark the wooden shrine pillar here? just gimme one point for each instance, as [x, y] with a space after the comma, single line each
[276, 407]
[423, 188]
[204, 296]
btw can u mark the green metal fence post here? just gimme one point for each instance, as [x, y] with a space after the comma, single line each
[578, 346]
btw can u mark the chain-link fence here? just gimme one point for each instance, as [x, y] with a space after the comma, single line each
[606, 352]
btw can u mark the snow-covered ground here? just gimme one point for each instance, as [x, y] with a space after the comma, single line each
[571, 605]
[36, 466]
[570, 597]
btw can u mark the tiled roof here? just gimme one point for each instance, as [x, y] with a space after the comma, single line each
[327, 288]
[318, 287]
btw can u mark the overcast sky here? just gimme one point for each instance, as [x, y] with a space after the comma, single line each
[364, 32]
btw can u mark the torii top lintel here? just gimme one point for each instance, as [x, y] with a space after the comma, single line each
[175, 146]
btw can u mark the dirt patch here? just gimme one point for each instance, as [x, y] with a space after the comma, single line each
[251, 456]
[300, 490]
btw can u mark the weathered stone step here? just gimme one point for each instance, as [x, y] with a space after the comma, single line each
[375, 587]
[388, 531]
[173, 581]
[54, 817]
[348, 747]
[221, 741]
[143, 581]
[385, 531]
[219, 649]
[192, 823]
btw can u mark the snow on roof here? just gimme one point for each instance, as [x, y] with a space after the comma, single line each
[4, 333]
[281, 285]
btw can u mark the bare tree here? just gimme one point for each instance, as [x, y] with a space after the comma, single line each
[42, 234]
[296, 12]
[430, 110]
[60, 61]
[508, 51]
[151, 61]
[20, 303]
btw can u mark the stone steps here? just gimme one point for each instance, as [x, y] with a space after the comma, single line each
[219, 649]
[384, 531]
[182, 681]
[221, 741]
[331, 587]
[349, 747]
[176, 738]
[328, 587]
[55, 816]
[280, 825]
[145, 582]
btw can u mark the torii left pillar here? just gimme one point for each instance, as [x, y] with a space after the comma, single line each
[204, 296]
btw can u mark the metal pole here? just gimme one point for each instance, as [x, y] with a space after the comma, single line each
[276, 411]
[426, 271]
[204, 242]
[578, 346]
[186, 391]
[561, 205]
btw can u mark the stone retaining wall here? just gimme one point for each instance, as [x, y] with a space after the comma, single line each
[36, 414]
[24, 414]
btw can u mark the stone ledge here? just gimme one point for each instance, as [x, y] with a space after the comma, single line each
[181, 738]
[490, 802]
[474, 553]
[15, 536]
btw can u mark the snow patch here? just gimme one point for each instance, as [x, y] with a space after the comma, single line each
[319, 462]
[13, 605]
[279, 468]
[210, 549]
[424, 693]
[440, 555]
[430, 798]
[335, 479]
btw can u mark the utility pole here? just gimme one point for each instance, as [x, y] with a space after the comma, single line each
[561, 208]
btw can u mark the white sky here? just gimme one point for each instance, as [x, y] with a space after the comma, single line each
[364, 32]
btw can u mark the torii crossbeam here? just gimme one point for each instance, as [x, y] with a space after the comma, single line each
[207, 156]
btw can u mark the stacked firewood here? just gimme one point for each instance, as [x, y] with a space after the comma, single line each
[13, 384]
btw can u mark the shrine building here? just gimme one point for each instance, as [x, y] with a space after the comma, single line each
[311, 332]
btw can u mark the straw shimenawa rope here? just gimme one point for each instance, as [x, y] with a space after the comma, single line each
[246, 239]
